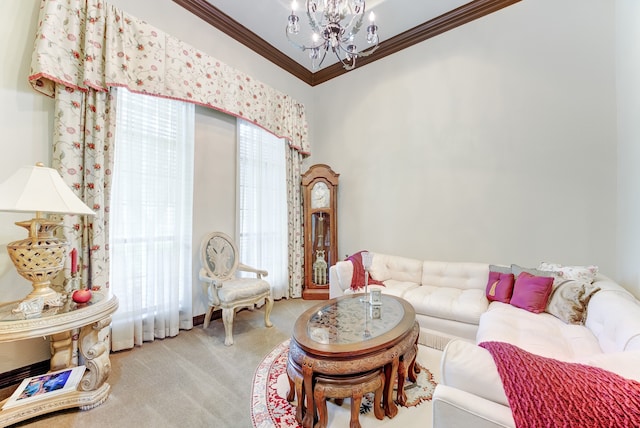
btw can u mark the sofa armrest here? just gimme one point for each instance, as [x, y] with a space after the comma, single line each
[470, 368]
[453, 408]
[340, 276]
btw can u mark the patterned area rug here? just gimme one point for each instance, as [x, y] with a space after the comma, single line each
[270, 408]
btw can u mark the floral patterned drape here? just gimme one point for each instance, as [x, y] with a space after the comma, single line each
[295, 229]
[90, 44]
[84, 126]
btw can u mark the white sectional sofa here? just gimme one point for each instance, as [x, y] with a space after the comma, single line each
[449, 298]
[454, 314]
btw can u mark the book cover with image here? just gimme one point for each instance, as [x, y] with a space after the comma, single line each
[43, 386]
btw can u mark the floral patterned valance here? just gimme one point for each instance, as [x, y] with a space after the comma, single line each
[91, 44]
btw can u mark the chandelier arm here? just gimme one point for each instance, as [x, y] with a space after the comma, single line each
[303, 47]
[324, 55]
[327, 21]
[367, 51]
[315, 25]
[355, 27]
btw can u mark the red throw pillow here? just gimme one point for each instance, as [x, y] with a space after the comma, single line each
[500, 287]
[531, 292]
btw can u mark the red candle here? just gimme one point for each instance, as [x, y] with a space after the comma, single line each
[74, 261]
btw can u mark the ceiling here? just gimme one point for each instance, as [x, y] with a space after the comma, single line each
[260, 25]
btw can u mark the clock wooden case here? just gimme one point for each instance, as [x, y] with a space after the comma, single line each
[320, 197]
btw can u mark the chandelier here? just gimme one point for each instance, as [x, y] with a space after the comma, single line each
[335, 24]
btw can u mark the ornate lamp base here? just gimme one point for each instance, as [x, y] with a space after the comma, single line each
[40, 257]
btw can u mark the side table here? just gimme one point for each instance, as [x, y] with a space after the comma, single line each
[61, 324]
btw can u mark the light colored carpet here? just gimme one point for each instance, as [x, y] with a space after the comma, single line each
[191, 380]
[272, 410]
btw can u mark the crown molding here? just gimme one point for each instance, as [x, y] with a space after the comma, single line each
[443, 23]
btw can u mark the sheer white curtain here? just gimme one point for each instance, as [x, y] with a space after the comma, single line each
[262, 200]
[151, 214]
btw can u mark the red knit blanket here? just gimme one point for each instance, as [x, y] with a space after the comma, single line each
[544, 392]
[357, 280]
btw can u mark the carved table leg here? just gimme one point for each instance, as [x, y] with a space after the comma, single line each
[95, 353]
[61, 350]
[307, 375]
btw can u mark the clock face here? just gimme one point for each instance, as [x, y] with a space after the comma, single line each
[320, 195]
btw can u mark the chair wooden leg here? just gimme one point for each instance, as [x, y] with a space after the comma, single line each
[356, 400]
[207, 317]
[267, 311]
[321, 404]
[227, 319]
[378, 410]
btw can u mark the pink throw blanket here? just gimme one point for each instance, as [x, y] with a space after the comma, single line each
[544, 392]
[357, 280]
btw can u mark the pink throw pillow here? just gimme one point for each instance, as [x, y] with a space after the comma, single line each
[500, 287]
[531, 292]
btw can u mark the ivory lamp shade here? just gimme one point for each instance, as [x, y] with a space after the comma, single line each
[39, 189]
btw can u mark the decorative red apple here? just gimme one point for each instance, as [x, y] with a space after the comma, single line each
[81, 296]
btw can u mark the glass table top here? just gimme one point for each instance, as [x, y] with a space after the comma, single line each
[8, 310]
[348, 321]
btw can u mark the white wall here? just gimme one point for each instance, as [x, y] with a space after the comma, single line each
[628, 91]
[494, 142]
[26, 120]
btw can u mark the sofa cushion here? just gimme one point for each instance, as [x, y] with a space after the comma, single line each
[470, 368]
[569, 299]
[500, 268]
[531, 292]
[385, 267]
[499, 286]
[542, 333]
[465, 276]
[563, 273]
[517, 270]
[625, 364]
[395, 288]
[449, 303]
[614, 318]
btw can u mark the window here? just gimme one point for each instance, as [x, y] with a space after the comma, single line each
[262, 201]
[150, 223]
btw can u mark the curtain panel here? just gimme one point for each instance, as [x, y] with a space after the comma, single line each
[90, 44]
[295, 219]
[84, 125]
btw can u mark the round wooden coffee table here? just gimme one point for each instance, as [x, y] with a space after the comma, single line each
[345, 338]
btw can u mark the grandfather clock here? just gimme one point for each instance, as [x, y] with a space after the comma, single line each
[320, 193]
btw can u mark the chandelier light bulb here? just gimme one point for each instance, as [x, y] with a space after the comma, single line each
[334, 25]
[293, 26]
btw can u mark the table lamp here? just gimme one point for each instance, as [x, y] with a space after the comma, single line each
[41, 256]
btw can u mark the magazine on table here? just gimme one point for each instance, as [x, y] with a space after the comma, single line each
[40, 387]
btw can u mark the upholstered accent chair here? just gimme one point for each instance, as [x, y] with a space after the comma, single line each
[226, 291]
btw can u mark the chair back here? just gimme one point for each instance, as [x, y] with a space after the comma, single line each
[219, 256]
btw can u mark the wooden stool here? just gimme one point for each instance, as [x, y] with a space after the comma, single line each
[353, 387]
[296, 388]
[407, 368]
